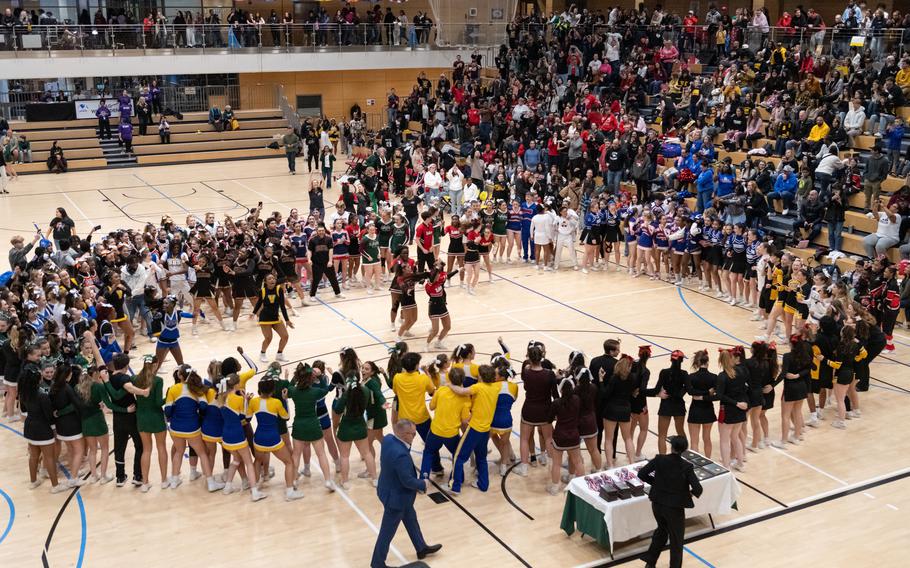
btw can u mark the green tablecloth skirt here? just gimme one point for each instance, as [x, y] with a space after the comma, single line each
[578, 514]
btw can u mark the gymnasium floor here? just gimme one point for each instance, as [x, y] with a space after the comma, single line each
[830, 501]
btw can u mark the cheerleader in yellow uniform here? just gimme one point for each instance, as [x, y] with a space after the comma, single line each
[271, 301]
[267, 440]
[779, 278]
[183, 406]
[793, 299]
[233, 405]
[463, 358]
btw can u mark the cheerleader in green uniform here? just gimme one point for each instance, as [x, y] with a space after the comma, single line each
[305, 391]
[370, 258]
[149, 390]
[352, 428]
[93, 390]
[376, 416]
[401, 234]
[384, 230]
[438, 225]
[500, 225]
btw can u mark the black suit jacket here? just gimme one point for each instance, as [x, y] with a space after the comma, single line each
[673, 481]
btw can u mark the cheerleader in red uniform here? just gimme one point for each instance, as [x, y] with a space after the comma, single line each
[394, 290]
[484, 246]
[887, 296]
[439, 312]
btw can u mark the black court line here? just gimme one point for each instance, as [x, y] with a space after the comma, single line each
[749, 485]
[505, 492]
[53, 529]
[114, 203]
[771, 515]
[193, 191]
[480, 524]
[223, 193]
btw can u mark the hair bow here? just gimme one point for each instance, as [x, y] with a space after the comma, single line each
[795, 338]
[644, 350]
[568, 380]
[222, 385]
[772, 346]
[676, 355]
[738, 350]
[148, 358]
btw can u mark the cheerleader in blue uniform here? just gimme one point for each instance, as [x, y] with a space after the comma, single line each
[645, 232]
[692, 258]
[513, 231]
[679, 237]
[738, 266]
[713, 257]
[268, 410]
[661, 251]
[168, 322]
[750, 279]
[629, 228]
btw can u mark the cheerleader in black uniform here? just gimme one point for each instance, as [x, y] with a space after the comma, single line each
[223, 259]
[287, 269]
[66, 417]
[795, 370]
[270, 303]
[823, 346]
[565, 412]
[670, 388]
[700, 385]
[848, 353]
[739, 266]
[609, 225]
[731, 392]
[587, 394]
[472, 255]
[400, 258]
[203, 290]
[243, 283]
[266, 264]
[405, 279]
[455, 252]
[761, 373]
[116, 293]
[640, 416]
[439, 312]
[616, 406]
[38, 428]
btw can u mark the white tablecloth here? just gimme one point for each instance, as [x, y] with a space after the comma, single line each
[629, 518]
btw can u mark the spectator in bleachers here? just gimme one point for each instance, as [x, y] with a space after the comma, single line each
[215, 118]
[228, 121]
[56, 162]
[144, 114]
[125, 134]
[894, 136]
[164, 130]
[784, 189]
[876, 172]
[886, 235]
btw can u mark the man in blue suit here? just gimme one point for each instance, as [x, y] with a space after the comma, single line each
[398, 487]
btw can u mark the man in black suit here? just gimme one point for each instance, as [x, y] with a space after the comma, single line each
[606, 362]
[673, 483]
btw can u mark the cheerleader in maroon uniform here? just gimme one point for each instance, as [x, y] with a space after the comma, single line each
[455, 252]
[640, 416]
[439, 312]
[887, 298]
[394, 289]
[566, 436]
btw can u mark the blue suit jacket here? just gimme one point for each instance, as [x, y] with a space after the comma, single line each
[398, 481]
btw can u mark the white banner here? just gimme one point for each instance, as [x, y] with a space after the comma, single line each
[86, 108]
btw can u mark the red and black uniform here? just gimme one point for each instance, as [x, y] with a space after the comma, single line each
[424, 236]
[436, 290]
[887, 299]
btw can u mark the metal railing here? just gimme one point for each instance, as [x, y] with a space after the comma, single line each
[265, 38]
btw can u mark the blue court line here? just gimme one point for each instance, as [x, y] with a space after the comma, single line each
[699, 558]
[738, 340]
[352, 322]
[79, 501]
[582, 312]
[12, 515]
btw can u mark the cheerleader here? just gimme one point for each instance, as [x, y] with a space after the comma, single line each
[183, 406]
[500, 231]
[590, 236]
[438, 311]
[712, 257]
[271, 301]
[701, 384]
[541, 229]
[875, 341]
[353, 230]
[267, 439]
[639, 401]
[400, 259]
[370, 258]
[587, 395]
[203, 290]
[616, 406]
[93, 390]
[438, 370]
[341, 240]
[455, 251]
[222, 279]
[411, 387]
[566, 436]
[610, 222]
[10, 344]
[731, 392]
[303, 270]
[661, 250]
[472, 255]
[670, 388]
[384, 232]
[307, 433]
[243, 283]
[513, 231]
[463, 358]
[288, 270]
[450, 412]
[233, 404]
[115, 294]
[795, 370]
[39, 419]
[795, 299]
[540, 387]
[67, 423]
[405, 281]
[148, 388]
[735, 250]
[352, 428]
[376, 416]
[401, 236]
[678, 243]
[823, 349]
[887, 295]
[778, 280]
[761, 374]
[644, 232]
[694, 251]
[169, 334]
[484, 396]
[848, 353]
[483, 248]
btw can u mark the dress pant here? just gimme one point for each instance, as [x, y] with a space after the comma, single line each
[425, 259]
[292, 161]
[671, 523]
[320, 270]
[125, 429]
[565, 242]
[391, 518]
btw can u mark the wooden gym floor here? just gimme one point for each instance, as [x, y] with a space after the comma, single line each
[829, 502]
